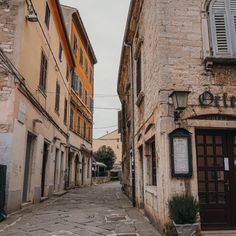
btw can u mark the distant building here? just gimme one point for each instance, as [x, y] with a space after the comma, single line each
[110, 140]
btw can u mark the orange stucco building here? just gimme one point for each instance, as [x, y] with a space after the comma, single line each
[82, 93]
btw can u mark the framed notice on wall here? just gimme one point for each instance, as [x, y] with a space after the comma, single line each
[181, 153]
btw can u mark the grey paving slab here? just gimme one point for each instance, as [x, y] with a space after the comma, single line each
[93, 211]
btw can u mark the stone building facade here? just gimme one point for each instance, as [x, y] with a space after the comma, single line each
[36, 61]
[185, 46]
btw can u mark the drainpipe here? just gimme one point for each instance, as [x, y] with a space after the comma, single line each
[132, 118]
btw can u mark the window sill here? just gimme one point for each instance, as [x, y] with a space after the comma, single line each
[57, 112]
[140, 98]
[151, 189]
[220, 59]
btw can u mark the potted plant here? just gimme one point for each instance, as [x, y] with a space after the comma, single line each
[183, 211]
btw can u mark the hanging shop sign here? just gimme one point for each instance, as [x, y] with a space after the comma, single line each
[181, 153]
[208, 99]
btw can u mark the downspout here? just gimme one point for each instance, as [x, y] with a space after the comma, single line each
[133, 128]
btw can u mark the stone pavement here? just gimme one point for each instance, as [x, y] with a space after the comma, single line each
[96, 210]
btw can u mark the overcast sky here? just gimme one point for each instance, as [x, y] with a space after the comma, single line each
[105, 22]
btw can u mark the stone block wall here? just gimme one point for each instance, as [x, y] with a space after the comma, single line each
[172, 59]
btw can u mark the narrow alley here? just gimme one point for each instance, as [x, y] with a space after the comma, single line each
[98, 210]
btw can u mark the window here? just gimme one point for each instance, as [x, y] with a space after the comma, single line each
[154, 165]
[71, 118]
[65, 111]
[91, 104]
[74, 81]
[60, 52]
[86, 67]
[223, 27]
[78, 124]
[85, 129]
[89, 133]
[75, 45]
[47, 16]
[57, 97]
[86, 97]
[80, 89]
[43, 72]
[67, 72]
[81, 57]
[91, 76]
[151, 163]
[138, 74]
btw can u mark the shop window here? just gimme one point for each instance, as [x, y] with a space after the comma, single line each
[47, 16]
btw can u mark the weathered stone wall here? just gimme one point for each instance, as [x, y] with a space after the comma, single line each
[172, 59]
[10, 12]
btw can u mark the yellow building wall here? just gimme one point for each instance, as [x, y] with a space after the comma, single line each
[32, 43]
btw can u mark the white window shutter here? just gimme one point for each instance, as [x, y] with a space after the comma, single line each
[218, 5]
[233, 5]
[221, 36]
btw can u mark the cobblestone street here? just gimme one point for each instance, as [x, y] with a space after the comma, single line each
[97, 210]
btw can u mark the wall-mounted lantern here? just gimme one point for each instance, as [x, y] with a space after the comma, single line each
[181, 153]
[180, 100]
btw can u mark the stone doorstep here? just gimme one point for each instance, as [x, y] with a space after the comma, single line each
[219, 233]
[61, 193]
[26, 204]
[42, 199]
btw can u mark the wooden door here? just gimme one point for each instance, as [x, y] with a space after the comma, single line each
[3, 173]
[215, 178]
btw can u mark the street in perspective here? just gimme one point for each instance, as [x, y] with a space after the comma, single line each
[118, 118]
[98, 210]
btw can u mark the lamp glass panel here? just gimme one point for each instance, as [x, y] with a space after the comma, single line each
[175, 101]
[182, 100]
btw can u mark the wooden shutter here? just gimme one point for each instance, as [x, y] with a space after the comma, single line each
[221, 36]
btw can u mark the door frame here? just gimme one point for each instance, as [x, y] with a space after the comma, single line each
[28, 162]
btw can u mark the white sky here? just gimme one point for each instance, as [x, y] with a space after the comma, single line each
[104, 21]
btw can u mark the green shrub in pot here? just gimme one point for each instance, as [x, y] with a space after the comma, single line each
[183, 211]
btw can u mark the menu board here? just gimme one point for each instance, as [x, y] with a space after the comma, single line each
[181, 159]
